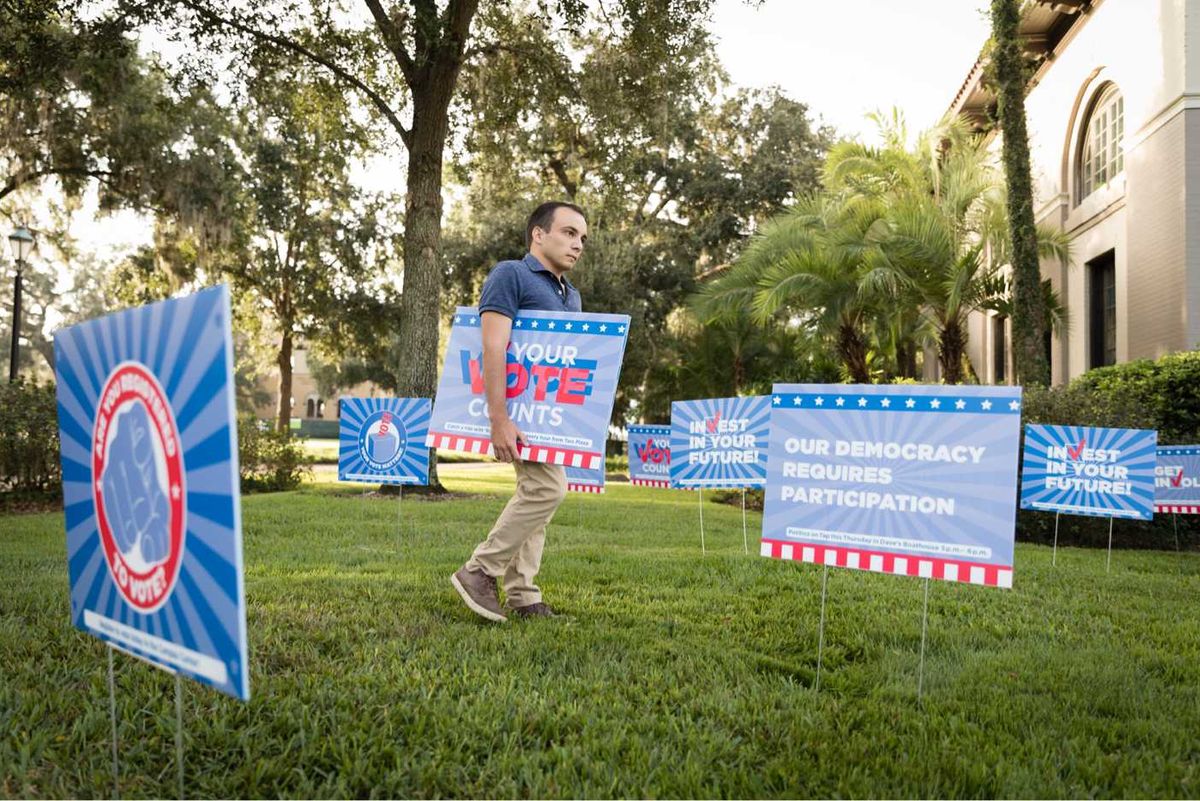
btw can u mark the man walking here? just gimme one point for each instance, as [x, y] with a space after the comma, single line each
[555, 235]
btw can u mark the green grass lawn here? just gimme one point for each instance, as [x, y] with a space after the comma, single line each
[676, 674]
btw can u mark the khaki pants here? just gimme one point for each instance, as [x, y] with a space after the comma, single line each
[512, 551]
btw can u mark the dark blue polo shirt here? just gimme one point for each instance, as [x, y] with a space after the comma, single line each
[514, 286]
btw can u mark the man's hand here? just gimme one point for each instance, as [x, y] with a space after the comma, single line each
[505, 436]
[495, 332]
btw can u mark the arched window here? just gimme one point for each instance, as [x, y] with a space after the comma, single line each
[310, 407]
[1101, 157]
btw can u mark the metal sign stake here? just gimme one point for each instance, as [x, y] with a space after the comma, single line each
[924, 627]
[179, 730]
[700, 496]
[1054, 553]
[112, 709]
[745, 541]
[400, 518]
[1108, 562]
[821, 628]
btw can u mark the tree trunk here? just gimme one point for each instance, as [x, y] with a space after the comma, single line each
[951, 347]
[906, 359]
[1029, 318]
[852, 347]
[284, 419]
[420, 303]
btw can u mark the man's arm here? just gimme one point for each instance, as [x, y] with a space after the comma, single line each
[496, 329]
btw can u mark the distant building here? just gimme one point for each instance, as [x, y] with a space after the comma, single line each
[307, 402]
[1114, 124]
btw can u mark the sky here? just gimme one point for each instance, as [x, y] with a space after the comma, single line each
[845, 58]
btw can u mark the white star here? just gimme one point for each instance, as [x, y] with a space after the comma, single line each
[910, 403]
[457, 319]
[960, 403]
[534, 324]
[518, 323]
[586, 326]
[1014, 405]
[99, 488]
[935, 404]
[175, 491]
[473, 321]
[987, 404]
[840, 401]
[795, 400]
[551, 325]
[603, 328]
[886, 402]
[777, 400]
[819, 401]
[568, 326]
[621, 330]
[862, 402]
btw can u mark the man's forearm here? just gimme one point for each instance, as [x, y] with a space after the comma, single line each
[495, 370]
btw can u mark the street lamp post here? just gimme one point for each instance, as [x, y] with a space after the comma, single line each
[21, 242]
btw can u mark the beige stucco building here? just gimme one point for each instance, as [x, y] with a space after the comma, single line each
[308, 403]
[1114, 124]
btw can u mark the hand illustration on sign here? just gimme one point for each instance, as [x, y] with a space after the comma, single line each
[134, 500]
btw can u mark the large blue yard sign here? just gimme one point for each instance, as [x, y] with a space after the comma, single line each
[1177, 480]
[719, 442]
[382, 440]
[1103, 472]
[650, 455]
[913, 480]
[561, 382]
[150, 486]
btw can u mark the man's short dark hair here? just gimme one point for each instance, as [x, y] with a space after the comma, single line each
[543, 217]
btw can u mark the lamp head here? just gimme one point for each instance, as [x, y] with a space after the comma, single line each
[21, 242]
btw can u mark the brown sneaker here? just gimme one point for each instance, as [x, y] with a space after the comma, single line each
[538, 609]
[478, 591]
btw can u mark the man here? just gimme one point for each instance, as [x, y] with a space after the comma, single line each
[555, 235]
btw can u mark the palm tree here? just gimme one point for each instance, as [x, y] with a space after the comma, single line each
[947, 221]
[1010, 74]
[820, 264]
[897, 251]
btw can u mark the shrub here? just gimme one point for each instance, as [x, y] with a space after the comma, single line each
[269, 460]
[1167, 389]
[1163, 395]
[29, 458]
[29, 449]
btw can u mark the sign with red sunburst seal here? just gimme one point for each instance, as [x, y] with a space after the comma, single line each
[138, 486]
[147, 433]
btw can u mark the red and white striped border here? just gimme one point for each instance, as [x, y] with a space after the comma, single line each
[1172, 509]
[649, 482]
[878, 562]
[530, 453]
[593, 488]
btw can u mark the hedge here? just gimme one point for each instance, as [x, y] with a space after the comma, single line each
[29, 460]
[29, 453]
